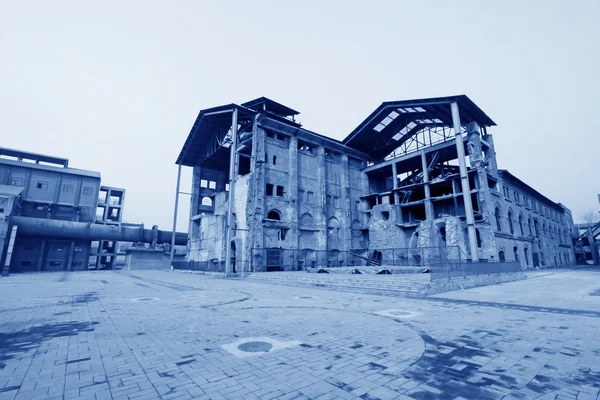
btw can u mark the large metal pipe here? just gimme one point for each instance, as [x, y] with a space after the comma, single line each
[89, 231]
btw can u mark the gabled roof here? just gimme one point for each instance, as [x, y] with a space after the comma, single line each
[394, 122]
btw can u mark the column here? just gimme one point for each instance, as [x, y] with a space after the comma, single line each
[395, 183]
[460, 149]
[429, 214]
[233, 163]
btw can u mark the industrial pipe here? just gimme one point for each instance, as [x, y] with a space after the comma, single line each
[90, 231]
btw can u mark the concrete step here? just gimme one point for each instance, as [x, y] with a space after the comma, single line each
[376, 285]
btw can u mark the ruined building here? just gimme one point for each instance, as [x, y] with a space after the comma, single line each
[416, 180]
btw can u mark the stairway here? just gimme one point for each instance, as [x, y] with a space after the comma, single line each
[376, 258]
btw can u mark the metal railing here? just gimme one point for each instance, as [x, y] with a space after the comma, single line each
[266, 260]
[455, 269]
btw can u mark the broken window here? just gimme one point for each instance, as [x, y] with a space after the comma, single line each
[385, 215]
[42, 185]
[521, 224]
[274, 215]
[510, 223]
[274, 160]
[478, 237]
[67, 188]
[497, 215]
[270, 135]
[526, 251]
[87, 191]
[269, 190]
[516, 251]
[279, 191]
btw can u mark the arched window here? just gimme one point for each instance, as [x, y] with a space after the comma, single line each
[274, 215]
[521, 224]
[529, 224]
[526, 251]
[516, 252]
[510, 223]
[501, 256]
[497, 214]
[478, 237]
[207, 201]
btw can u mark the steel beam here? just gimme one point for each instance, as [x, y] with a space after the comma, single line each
[233, 161]
[175, 213]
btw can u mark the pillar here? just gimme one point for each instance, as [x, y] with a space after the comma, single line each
[429, 214]
[460, 149]
[233, 163]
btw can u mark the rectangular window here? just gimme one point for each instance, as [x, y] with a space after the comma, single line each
[269, 190]
[68, 188]
[336, 202]
[42, 185]
[270, 135]
[279, 191]
[227, 187]
[300, 195]
[87, 191]
[328, 201]
[16, 181]
[309, 197]
[274, 160]
[203, 183]
[212, 185]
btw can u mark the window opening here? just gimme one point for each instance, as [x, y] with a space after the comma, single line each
[274, 215]
[269, 189]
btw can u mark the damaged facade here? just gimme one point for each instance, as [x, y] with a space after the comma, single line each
[417, 179]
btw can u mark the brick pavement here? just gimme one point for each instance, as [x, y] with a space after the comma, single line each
[159, 334]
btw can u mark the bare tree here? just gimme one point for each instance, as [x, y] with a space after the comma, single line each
[590, 217]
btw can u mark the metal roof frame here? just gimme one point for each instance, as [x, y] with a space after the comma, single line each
[395, 122]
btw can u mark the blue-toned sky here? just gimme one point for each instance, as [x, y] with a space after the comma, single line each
[115, 86]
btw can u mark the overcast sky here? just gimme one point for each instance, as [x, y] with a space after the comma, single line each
[115, 86]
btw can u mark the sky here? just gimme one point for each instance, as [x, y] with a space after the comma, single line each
[115, 86]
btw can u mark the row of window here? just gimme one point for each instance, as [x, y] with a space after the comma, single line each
[550, 229]
[43, 185]
[524, 201]
[269, 190]
[561, 258]
[208, 184]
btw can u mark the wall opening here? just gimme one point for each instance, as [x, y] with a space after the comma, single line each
[274, 215]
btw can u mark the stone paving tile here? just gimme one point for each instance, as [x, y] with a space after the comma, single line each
[159, 334]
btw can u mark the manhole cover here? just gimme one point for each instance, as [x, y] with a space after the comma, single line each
[146, 299]
[255, 347]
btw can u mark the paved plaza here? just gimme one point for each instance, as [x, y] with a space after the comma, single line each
[169, 335]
